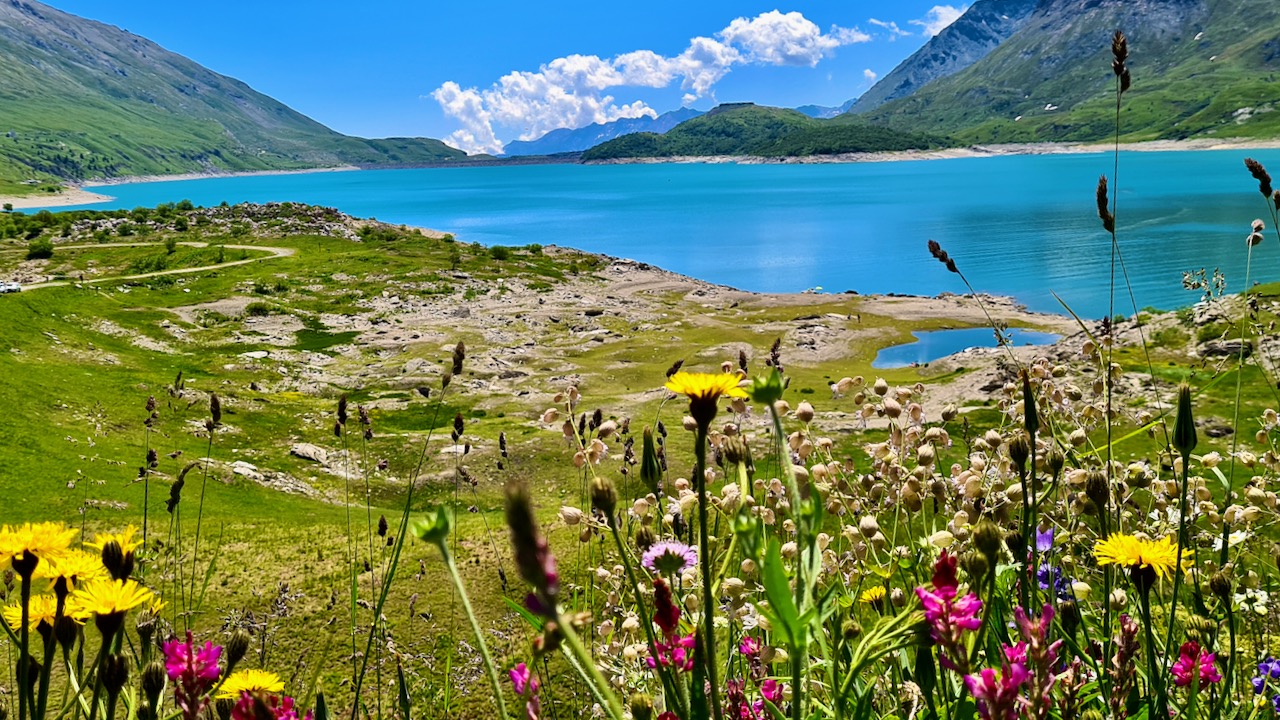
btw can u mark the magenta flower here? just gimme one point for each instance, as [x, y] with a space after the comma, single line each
[665, 611]
[675, 652]
[193, 672]
[998, 696]
[948, 617]
[525, 684]
[1041, 656]
[749, 646]
[1193, 662]
[669, 558]
[771, 690]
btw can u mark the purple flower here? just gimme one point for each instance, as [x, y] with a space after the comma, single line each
[669, 558]
[281, 708]
[1194, 663]
[1044, 540]
[749, 646]
[525, 684]
[676, 652]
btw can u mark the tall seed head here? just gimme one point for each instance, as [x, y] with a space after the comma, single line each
[1184, 426]
[1104, 206]
[1260, 174]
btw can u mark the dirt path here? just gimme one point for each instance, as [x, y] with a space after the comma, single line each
[275, 252]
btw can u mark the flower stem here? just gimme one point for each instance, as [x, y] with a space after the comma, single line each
[611, 703]
[490, 670]
[667, 685]
[704, 558]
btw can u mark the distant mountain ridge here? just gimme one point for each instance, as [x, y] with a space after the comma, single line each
[755, 130]
[578, 139]
[84, 100]
[1201, 68]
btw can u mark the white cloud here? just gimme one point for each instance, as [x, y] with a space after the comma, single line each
[870, 75]
[895, 32]
[572, 91]
[939, 17]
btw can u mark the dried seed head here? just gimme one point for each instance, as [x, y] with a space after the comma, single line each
[1184, 424]
[1119, 52]
[1104, 206]
[604, 497]
[742, 360]
[459, 354]
[941, 256]
[342, 410]
[1126, 81]
[1260, 174]
[153, 678]
[675, 367]
[215, 409]
[115, 673]
[1254, 239]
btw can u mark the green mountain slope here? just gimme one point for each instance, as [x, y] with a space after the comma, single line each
[85, 100]
[746, 129]
[1200, 68]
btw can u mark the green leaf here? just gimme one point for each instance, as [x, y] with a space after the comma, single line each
[967, 710]
[778, 592]
[402, 693]
[322, 708]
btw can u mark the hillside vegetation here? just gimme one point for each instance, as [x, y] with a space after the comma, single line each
[747, 129]
[86, 100]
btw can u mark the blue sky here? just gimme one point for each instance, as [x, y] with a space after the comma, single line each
[479, 75]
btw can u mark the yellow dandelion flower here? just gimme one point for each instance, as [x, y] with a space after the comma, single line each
[250, 681]
[79, 567]
[128, 543]
[110, 597]
[703, 390]
[704, 386]
[871, 596]
[42, 608]
[23, 546]
[1136, 553]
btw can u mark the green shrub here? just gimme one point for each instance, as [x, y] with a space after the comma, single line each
[257, 309]
[500, 253]
[40, 249]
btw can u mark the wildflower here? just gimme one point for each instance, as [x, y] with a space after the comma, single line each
[532, 553]
[998, 696]
[872, 596]
[1044, 540]
[948, 617]
[703, 390]
[1252, 600]
[676, 652]
[771, 690]
[525, 684]
[749, 646]
[75, 567]
[194, 671]
[1145, 559]
[1041, 657]
[24, 546]
[108, 601]
[1195, 664]
[40, 609]
[125, 539]
[1051, 576]
[1123, 670]
[665, 611]
[250, 681]
[670, 558]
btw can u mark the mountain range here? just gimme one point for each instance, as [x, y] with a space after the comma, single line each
[85, 100]
[566, 140]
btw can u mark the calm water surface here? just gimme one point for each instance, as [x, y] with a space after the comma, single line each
[1023, 226]
[933, 344]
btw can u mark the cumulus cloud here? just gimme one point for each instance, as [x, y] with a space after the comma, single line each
[939, 17]
[573, 91]
[870, 75]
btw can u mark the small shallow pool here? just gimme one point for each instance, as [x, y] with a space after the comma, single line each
[933, 344]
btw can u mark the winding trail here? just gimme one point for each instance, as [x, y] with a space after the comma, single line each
[274, 252]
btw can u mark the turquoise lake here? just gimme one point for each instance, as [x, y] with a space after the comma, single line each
[933, 344]
[1024, 226]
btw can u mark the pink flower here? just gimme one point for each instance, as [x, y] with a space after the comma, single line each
[525, 684]
[771, 691]
[676, 652]
[997, 696]
[1193, 662]
[665, 611]
[949, 618]
[749, 646]
[194, 672]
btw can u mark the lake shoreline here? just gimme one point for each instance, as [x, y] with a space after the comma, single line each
[78, 194]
